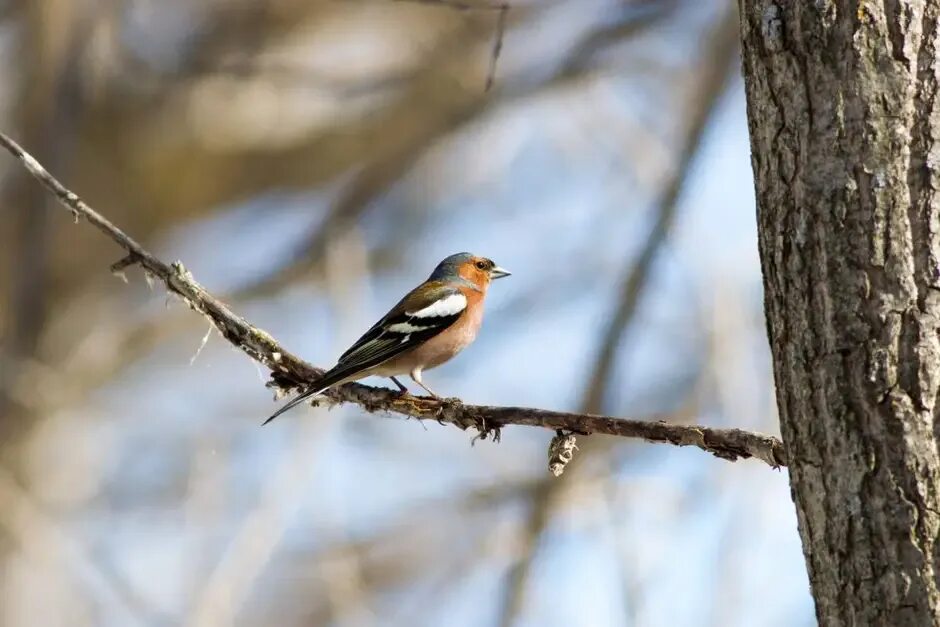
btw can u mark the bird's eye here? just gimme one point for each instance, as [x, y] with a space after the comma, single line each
[481, 265]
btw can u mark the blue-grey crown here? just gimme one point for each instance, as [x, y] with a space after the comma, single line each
[447, 269]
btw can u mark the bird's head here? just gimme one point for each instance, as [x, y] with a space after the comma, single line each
[477, 270]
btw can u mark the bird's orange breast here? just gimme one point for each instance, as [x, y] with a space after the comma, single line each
[448, 343]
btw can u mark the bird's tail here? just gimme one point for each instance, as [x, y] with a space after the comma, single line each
[328, 380]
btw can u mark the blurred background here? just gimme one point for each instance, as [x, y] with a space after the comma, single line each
[310, 161]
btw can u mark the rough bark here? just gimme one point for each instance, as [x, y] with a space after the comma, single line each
[844, 138]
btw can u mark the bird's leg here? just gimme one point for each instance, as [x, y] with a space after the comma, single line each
[429, 390]
[401, 388]
[416, 377]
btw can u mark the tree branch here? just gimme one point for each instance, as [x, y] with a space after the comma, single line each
[289, 371]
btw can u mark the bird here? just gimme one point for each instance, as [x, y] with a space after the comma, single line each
[429, 326]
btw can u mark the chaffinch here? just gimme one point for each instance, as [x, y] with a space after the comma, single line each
[427, 327]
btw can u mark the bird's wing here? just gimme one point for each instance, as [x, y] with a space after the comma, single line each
[426, 311]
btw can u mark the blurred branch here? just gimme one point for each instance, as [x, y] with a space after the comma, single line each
[390, 160]
[251, 548]
[289, 371]
[41, 537]
[717, 66]
[262, 531]
[635, 17]
[717, 70]
[502, 9]
[49, 103]
[310, 77]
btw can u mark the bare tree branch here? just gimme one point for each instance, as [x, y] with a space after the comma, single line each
[289, 371]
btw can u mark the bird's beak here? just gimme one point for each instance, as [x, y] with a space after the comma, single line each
[497, 273]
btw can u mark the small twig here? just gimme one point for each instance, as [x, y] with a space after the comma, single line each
[290, 372]
[202, 345]
[497, 45]
[118, 267]
[502, 9]
[123, 263]
[715, 72]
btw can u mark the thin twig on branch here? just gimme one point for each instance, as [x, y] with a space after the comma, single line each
[502, 9]
[289, 371]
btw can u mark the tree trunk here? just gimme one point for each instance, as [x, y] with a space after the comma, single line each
[842, 110]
